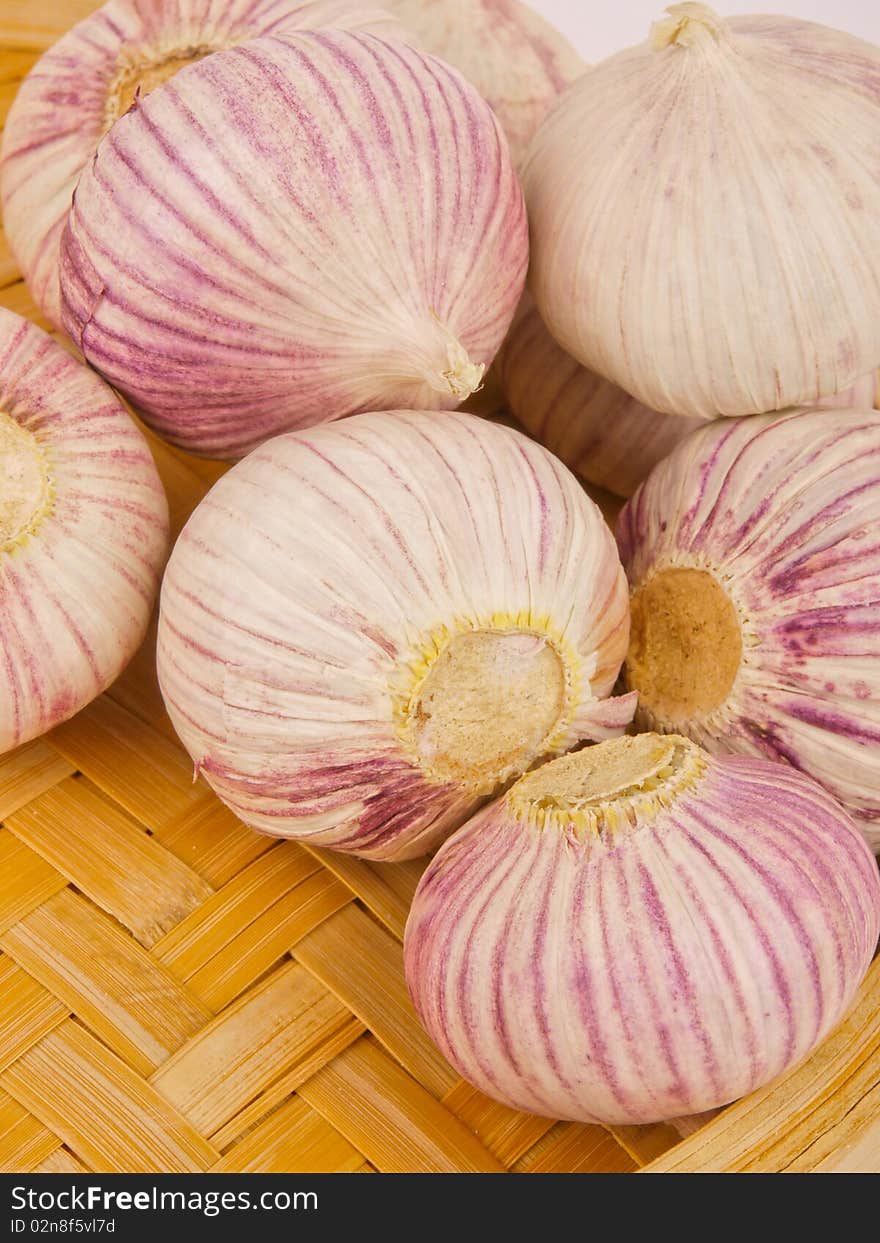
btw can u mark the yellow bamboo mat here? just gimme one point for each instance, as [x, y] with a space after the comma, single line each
[178, 993]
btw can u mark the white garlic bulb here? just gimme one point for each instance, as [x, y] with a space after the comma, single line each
[753, 558]
[83, 534]
[517, 61]
[705, 214]
[369, 626]
[640, 931]
[89, 78]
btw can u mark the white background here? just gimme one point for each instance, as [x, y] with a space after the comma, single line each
[599, 27]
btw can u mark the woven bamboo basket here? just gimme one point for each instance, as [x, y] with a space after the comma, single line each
[178, 993]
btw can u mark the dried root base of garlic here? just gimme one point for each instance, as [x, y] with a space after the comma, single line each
[26, 483]
[685, 645]
[489, 702]
[142, 73]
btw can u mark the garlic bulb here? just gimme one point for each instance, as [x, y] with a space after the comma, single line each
[597, 429]
[292, 231]
[83, 534]
[367, 627]
[705, 214]
[638, 931]
[753, 561]
[518, 62]
[88, 79]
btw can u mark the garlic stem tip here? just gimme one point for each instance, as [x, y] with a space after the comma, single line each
[686, 25]
[460, 377]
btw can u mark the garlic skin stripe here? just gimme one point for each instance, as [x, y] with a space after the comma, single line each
[368, 627]
[517, 61]
[83, 534]
[758, 130]
[96, 68]
[291, 231]
[755, 576]
[640, 931]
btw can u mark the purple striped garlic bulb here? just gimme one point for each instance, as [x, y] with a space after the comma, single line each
[639, 931]
[598, 430]
[753, 559]
[83, 534]
[89, 78]
[517, 61]
[295, 230]
[705, 214]
[368, 627]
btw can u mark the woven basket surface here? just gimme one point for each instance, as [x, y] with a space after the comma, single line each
[179, 993]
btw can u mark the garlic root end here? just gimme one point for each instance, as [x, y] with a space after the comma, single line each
[26, 483]
[686, 644]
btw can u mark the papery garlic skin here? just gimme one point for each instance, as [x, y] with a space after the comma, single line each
[517, 61]
[860, 396]
[755, 574]
[638, 931]
[599, 431]
[367, 627]
[83, 534]
[86, 80]
[705, 215]
[352, 237]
